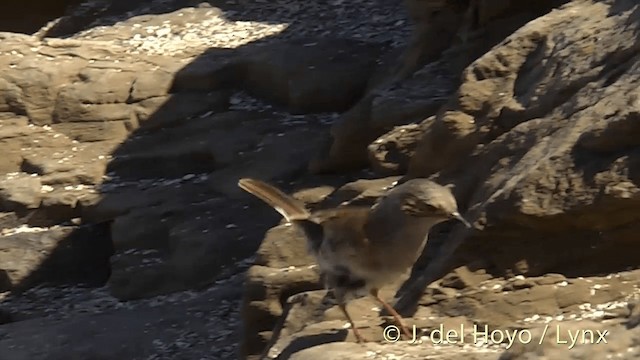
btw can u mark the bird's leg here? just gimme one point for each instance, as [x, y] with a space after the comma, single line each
[393, 312]
[356, 333]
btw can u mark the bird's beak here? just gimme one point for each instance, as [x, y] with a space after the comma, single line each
[456, 215]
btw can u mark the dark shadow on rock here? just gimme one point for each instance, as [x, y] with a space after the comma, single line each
[5, 281]
[309, 341]
[88, 14]
[574, 258]
[80, 256]
[29, 16]
[437, 239]
[619, 6]
[612, 144]
[288, 301]
[170, 200]
[5, 318]
[302, 75]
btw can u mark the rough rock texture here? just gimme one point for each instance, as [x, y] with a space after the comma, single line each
[124, 126]
[447, 36]
[87, 120]
[61, 254]
[539, 141]
[390, 153]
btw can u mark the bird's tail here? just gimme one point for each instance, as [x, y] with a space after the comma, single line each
[290, 208]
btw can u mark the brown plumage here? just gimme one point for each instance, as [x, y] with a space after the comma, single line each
[360, 249]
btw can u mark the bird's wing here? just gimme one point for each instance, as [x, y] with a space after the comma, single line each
[313, 232]
[345, 242]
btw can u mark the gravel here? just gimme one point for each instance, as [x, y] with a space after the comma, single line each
[234, 23]
[208, 330]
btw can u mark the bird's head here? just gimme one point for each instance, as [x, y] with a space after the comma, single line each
[424, 198]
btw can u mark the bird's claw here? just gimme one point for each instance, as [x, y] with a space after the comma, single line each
[359, 338]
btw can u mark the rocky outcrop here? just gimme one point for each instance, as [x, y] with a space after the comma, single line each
[86, 122]
[526, 141]
[123, 140]
[122, 144]
[390, 153]
[447, 36]
[538, 141]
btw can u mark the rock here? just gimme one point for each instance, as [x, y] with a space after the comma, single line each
[404, 99]
[71, 138]
[266, 289]
[190, 238]
[20, 192]
[310, 75]
[462, 278]
[344, 351]
[282, 247]
[435, 17]
[81, 106]
[9, 220]
[525, 147]
[124, 138]
[265, 153]
[59, 255]
[87, 175]
[169, 110]
[12, 130]
[192, 233]
[95, 130]
[93, 92]
[526, 178]
[596, 340]
[115, 202]
[390, 153]
[308, 330]
[186, 244]
[60, 206]
[382, 109]
[537, 176]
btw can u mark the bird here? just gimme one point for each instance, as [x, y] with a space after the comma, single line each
[360, 249]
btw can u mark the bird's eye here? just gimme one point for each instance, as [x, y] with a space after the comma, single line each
[430, 208]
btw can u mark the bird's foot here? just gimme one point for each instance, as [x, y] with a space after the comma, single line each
[359, 338]
[399, 326]
[405, 330]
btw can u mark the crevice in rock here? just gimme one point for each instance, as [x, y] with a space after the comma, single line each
[618, 64]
